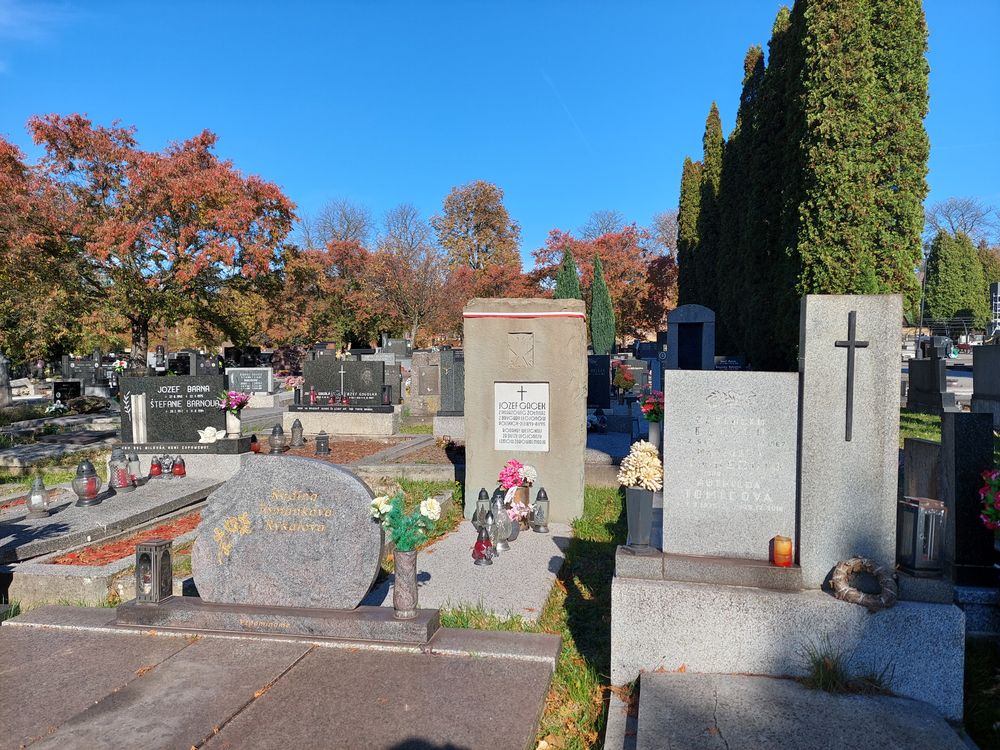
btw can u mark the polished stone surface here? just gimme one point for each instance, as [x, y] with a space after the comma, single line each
[288, 532]
[176, 407]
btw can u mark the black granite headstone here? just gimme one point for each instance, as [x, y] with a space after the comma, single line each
[640, 371]
[452, 374]
[328, 378]
[927, 390]
[64, 390]
[173, 409]
[598, 381]
[250, 379]
[400, 347]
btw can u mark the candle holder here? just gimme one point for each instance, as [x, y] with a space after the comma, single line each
[119, 478]
[540, 514]
[155, 468]
[322, 444]
[168, 466]
[86, 484]
[278, 440]
[38, 500]
[134, 467]
[154, 575]
[482, 509]
[482, 551]
[782, 554]
[179, 469]
[919, 534]
[298, 440]
[501, 522]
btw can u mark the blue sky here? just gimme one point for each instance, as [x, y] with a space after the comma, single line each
[570, 107]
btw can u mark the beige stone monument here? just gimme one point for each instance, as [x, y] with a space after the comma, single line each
[526, 396]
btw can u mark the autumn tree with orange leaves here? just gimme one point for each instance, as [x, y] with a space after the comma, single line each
[151, 236]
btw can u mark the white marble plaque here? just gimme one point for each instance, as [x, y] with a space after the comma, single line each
[521, 417]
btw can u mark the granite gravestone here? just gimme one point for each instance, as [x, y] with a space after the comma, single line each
[849, 374]
[729, 446]
[170, 409]
[598, 381]
[400, 347]
[525, 396]
[425, 383]
[640, 371]
[328, 378]
[64, 390]
[986, 381]
[927, 389]
[690, 338]
[6, 396]
[394, 379]
[452, 383]
[250, 379]
[288, 532]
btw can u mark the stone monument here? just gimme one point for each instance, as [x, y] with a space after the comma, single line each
[6, 397]
[525, 396]
[690, 338]
[450, 418]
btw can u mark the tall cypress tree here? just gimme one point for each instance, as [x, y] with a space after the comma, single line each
[602, 314]
[956, 285]
[688, 209]
[567, 280]
[709, 228]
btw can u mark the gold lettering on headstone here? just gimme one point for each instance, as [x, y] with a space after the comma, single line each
[233, 527]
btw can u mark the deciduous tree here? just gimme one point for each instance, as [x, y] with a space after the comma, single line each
[475, 230]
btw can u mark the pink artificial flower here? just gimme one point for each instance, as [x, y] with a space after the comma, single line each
[984, 490]
[996, 495]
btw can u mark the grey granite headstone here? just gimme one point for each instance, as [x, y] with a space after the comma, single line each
[848, 487]
[452, 374]
[640, 371]
[400, 347]
[170, 409]
[288, 532]
[394, 379]
[6, 397]
[986, 381]
[690, 338]
[729, 446]
[328, 377]
[927, 389]
[250, 379]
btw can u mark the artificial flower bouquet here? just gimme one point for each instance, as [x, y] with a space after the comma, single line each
[120, 365]
[516, 474]
[624, 379]
[990, 495]
[233, 402]
[642, 467]
[407, 530]
[651, 404]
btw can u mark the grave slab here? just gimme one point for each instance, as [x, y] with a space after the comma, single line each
[354, 422]
[68, 525]
[720, 712]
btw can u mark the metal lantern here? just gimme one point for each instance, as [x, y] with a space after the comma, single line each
[38, 500]
[86, 484]
[278, 440]
[322, 444]
[919, 535]
[179, 469]
[482, 509]
[134, 467]
[119, 478]
[501, 522]
[540, 514]
[297, 440]
[154, 575]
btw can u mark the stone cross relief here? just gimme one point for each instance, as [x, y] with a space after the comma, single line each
[850, 344]
[520, 350]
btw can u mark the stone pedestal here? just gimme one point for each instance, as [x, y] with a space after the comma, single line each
[346, 422]
[453, 427]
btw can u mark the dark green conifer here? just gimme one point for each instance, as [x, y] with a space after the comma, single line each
[602, 313]
[567, 280]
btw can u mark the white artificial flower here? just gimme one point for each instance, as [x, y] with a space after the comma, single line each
[431, 509]
[528, 474]
[380, 506]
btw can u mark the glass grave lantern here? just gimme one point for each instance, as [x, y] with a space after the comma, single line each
[154, 574]
[386, 395]
[278, 440]
[134, 467]
[919, 535]
[322, 444]
[501, 522]
[482, 509]
[155, 468]
[540, 513]
[86, 484]
[38, 500]
[179, 469]
[297, 438]
[119, 478]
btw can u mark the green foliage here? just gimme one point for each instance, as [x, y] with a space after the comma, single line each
[687, 232]
[990, 258]
[408, 530]
[916, 425]
[602, 313]
[828, 670]
[567, 279]
[709, 223]
[956, 285]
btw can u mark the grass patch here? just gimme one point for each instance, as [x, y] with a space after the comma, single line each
[11, 414]
[829, 671]
[579, 610]
[915, 425]
[415, 491]
[61, 469]
[982, 687]
[416, 428]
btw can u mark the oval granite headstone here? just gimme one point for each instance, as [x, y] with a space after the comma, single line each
[288, 532]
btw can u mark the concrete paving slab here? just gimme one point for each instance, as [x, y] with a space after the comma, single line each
[48, 676]
[517, 583]
[737, 712]
[536, 647]
[337, 699]
[181, 702]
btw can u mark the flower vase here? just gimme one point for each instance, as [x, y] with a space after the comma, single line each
[654, 435]
[233, 427]
[404, 587]
[639, 511]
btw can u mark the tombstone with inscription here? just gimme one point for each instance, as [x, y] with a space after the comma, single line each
[640, 372]
[345, 397]
[287, 546]
[425, 383]
[525, 396]
[690, 338]
[64, 390]
[450, 418]
[400, 347]
[250, 379]
[598, 381]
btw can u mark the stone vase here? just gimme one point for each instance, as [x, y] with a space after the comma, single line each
[404, 588]
[654, 434]
[639, 511]
[233, 426]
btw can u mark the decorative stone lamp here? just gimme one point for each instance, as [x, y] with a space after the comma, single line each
[482, 509]
[919, 535]
[119, 478]
[154, 573]
[322, 444]
[38, 500]
[86, 484]
[297, 439]
[540, 515]
[278, 440]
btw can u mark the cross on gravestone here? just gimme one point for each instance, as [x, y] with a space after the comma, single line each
[341, 378]
[521, 391]
[850, 344]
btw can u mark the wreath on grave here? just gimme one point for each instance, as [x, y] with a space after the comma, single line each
[843, 589]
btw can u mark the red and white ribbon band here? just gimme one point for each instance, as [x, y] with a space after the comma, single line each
[564, 314]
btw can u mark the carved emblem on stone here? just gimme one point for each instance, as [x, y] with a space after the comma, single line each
[366, 377]
[520, 350]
